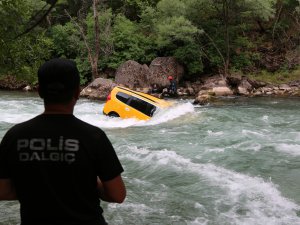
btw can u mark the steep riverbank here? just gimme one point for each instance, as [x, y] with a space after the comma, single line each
[204, 90]
[217, 86]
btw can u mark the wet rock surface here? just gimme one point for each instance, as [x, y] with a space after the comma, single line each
[142, 78]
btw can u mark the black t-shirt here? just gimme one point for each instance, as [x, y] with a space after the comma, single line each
[54, 161]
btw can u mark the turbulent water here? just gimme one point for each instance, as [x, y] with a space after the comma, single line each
[235, 162]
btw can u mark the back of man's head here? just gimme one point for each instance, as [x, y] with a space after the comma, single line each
[58, 80]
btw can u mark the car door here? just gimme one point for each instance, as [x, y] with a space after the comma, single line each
[124, 109]
[142, 106]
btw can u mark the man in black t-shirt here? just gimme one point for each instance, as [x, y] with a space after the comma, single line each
[56, 165]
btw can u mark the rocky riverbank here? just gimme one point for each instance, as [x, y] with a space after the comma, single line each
[216, 86]
[204, 90]
[207, 88]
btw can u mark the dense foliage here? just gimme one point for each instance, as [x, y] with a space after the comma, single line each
[206, 36]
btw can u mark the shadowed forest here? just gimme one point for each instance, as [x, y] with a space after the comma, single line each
[251, 37]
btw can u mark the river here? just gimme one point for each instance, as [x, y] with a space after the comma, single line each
[233, 162]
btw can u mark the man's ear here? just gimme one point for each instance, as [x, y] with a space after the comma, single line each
[40, 92]
[77, 93]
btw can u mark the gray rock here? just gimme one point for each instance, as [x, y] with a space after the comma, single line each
[162, 67]
[222, 91]
[132, 75]
[285, 87]
[98, 89]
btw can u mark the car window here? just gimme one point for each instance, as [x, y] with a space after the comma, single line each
[122, 97]
[142, 106]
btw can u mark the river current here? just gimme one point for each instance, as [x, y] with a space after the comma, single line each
[233, 162]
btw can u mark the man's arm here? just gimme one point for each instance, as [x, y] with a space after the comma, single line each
[113, 190]
[7, 190]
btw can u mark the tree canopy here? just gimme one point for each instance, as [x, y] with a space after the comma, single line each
[206, 36]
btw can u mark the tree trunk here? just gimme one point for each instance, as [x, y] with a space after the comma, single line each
[96, 40]
[227, 43]
[93, 51]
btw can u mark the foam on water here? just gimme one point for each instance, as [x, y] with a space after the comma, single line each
[171, 113]
[242, 146]
[214, 150]
[247, 146]
[265, 118]
[291, 149]
[259, 201]
[135, 209]
[198, 221]
[92, 113]
[157, 178]
[16, 111]
[218, 133]
[5, 213]
[253, 133]
[88, 111]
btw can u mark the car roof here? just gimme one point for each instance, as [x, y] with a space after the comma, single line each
[144, 96]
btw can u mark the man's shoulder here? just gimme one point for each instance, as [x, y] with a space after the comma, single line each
[84, 126]
[19, 128]
[24, 124]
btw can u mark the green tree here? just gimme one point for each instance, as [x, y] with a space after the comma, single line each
[130, 43]
[21, 55]
[66, 40]
[287, 20]
[224, 22]
[177, 36]
[105, 41]
[131, 9]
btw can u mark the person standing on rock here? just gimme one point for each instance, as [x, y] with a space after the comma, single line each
[172, 89]
[56, 165]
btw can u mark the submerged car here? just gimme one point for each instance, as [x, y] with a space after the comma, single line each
[125, 103]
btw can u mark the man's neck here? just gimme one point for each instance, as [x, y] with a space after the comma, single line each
[58, 109]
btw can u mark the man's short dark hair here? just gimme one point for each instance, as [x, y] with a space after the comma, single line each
[58, 80]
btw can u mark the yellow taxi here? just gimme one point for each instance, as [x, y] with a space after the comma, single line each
[126, 103]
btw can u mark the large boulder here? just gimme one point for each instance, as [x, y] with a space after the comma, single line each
[210, 82]
[245, 87]
[98, 89]
[132, 74]
[222, 91]
[162, 67]
[203, 99]
[12, 83]
[212, 88]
